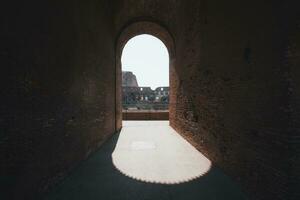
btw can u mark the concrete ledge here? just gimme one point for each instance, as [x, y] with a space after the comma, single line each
[146, 115]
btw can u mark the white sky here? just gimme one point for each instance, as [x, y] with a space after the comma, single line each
[147, 57]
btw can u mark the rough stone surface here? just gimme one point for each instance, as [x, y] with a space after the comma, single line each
[57, 83]
[129, 79]
[292, 63]
[230, 88]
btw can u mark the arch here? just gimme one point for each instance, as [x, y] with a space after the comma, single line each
[130, 31]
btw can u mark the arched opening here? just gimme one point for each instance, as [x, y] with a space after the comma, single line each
[159, 154]
[145, 79]
[129, 32]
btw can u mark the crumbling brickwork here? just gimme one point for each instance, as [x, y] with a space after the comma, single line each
[57, 83]
[129, 79]
[292, 63]
[229, 92]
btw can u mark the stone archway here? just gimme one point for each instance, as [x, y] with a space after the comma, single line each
[130, 31]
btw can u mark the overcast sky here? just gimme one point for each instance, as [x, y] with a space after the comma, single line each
[147, 57]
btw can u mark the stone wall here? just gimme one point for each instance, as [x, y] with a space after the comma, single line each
[57, 83]
[129, 79]
[229, 90]
[233, 92]
[292, 63]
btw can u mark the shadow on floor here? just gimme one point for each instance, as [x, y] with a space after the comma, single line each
[97, 178]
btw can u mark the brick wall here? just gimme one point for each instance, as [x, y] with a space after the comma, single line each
[292, 62]
[229, 90]
[57, 63]
[232, 95]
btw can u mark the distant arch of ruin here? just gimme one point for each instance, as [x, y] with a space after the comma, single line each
[130, 31]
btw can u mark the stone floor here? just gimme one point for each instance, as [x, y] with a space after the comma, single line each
[153, 152]
[147, 160]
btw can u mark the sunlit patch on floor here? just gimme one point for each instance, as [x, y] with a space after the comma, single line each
[142, 145]
[152, 151]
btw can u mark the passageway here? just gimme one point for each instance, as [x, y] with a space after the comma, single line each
[163, 166]
[234, 94]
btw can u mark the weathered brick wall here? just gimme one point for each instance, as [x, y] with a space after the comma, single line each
[293, 64]
[229, 86]
[232, 98]
[56, 105]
